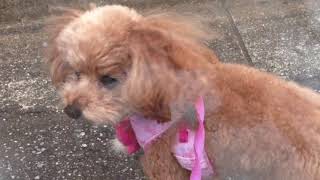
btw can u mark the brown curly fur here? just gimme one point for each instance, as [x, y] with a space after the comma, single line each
[257, 125]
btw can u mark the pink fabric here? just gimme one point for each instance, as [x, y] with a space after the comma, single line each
[147, 130]
[183, 135]
[186, 156]
[199, 142]
[188, 148]
[126, 136]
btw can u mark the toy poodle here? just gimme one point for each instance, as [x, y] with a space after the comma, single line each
[154, 73]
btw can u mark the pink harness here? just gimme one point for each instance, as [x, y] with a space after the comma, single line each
[136, 132]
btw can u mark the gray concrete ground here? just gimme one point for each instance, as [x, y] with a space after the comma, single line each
[37, 141]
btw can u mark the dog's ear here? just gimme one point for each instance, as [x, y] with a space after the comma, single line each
[151, 46]
[150, 55]
[163, 51]
[158, 55]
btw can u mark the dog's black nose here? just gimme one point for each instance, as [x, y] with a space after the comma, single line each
[73, 111]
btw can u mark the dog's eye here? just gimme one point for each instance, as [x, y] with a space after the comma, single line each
[108, 81]
[72, 76]
[78, 74]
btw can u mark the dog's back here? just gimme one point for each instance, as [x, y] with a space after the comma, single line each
[264, 127]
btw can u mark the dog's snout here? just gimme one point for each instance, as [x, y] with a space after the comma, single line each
[73, 111]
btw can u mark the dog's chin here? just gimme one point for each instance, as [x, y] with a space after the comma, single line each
[118, 147]
[103, 117]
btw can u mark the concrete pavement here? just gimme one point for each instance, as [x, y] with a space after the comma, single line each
[37, 141]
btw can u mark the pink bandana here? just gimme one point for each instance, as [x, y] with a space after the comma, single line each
[136, 132]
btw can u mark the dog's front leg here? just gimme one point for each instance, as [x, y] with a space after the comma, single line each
[159, 163]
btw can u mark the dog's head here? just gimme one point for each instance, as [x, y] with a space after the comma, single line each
[110, 61]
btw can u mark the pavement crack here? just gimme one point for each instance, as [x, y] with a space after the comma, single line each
[236, 31]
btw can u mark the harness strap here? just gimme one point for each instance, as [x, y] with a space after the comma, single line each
[198, 141]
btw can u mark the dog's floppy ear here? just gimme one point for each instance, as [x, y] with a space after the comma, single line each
[151, 46]
[150, 54]
[159, 52]
[163, 51]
